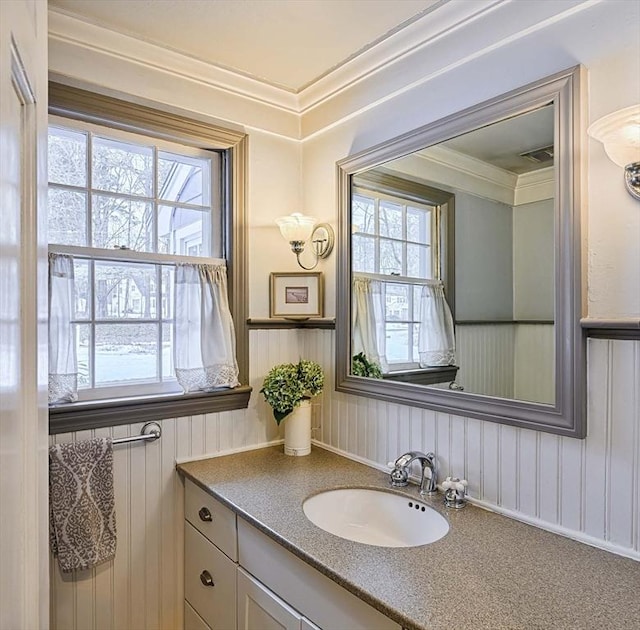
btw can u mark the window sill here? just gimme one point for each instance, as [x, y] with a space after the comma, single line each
[424, 376]
[81, 416]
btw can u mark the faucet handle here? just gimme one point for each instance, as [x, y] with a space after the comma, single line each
[399, 476]
[455, 492]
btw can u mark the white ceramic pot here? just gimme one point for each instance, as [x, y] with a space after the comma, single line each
[297, 430]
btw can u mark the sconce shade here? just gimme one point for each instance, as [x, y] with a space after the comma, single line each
[296, 227]
[619, 132]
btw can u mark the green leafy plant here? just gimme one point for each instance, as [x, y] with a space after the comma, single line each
[361, 366]
[288, 384]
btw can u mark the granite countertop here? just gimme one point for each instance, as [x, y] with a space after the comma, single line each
[489, 571]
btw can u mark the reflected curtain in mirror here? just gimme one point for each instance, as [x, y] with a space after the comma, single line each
[436, 337]
[368, 327]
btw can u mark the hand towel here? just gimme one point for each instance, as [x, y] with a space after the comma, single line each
[82, 504]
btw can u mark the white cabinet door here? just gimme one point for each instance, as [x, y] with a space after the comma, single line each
[192, 620]
[260, 609]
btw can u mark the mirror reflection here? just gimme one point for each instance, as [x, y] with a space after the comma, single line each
[452, 263]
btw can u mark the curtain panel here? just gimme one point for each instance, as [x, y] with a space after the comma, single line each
[63, 364]
[205, 341]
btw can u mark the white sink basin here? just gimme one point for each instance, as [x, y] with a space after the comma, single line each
[375, 517]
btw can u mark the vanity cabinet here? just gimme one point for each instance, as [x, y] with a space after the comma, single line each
[236, 577]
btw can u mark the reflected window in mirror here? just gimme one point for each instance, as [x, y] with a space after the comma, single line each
[399, 267]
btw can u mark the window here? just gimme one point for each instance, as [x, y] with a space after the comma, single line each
[398, 239]
[111, 194]
[133, 192]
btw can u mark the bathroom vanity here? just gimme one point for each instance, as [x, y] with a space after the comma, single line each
[253, 560]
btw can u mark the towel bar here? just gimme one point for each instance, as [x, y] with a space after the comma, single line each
[150, 432]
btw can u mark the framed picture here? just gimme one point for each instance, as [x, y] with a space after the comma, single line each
[296, 295]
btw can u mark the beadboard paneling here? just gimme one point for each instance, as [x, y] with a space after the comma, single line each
[534, 363]
[142, 588]
[509, 360]
[590, 487]
[486, 358]
[587, 488]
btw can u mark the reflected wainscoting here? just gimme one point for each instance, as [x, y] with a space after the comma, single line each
[508, 360]
[555, 481]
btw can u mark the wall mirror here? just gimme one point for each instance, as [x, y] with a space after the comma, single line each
[459, 268]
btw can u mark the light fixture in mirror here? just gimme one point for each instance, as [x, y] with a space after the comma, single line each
[459, 265]
[297, 228]
[619, 132]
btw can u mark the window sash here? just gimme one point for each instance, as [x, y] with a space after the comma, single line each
[212, 231]
[379, 239]
[129, 387]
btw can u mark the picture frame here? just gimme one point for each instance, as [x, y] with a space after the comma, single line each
[296, 295]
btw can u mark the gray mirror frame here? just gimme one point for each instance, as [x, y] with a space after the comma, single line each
[568, 415]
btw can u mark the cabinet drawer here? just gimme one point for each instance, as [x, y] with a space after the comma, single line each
[211, 518]
[215, 602]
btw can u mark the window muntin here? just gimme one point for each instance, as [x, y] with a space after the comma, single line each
[393, 241]
[128, 208]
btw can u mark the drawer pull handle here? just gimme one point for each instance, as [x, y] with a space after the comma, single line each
[206, 579]
[205, 514]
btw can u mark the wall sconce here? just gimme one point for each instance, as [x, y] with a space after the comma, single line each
[620, 134]
[297, 229]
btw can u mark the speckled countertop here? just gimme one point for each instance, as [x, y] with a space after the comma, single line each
[489, 571]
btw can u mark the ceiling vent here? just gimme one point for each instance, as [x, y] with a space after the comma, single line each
[544, 154]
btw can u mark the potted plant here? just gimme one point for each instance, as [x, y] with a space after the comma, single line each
[361, 366]
[288, 389]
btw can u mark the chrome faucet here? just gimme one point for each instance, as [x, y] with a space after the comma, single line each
[400, 473]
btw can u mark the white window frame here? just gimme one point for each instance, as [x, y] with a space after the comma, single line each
[141, 387]
[435, 210]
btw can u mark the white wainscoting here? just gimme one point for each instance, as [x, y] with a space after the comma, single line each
[586, 487]
[142, 588]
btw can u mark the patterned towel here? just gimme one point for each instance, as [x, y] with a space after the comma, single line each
[82, 507]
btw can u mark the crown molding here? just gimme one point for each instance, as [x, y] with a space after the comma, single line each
[438, 21]
[400, 62]
[84, 35]
[472, 175]
[535, 186]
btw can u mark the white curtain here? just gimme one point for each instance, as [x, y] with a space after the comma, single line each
[368, 320]
[205, 340]
[436, 338]
[63, 364]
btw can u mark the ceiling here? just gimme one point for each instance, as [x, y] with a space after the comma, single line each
[502, 144]
[286, 43]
